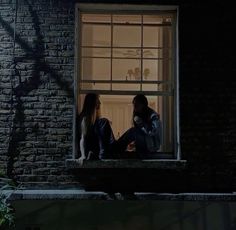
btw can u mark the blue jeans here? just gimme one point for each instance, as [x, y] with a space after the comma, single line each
[106, 138]
[133, 134]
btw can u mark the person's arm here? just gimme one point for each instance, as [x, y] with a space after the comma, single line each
[82, 150]
[155, 125]
[153, 128]
[82, 142]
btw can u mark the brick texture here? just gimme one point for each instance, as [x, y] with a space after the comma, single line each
[36, 89]
[36, 92]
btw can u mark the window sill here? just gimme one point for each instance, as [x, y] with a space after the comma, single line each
[128, 163]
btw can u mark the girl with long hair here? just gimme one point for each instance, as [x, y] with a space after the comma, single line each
[95, 133]
[145, 134]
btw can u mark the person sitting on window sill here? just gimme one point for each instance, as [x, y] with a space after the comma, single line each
[95, 133]
[145, 135]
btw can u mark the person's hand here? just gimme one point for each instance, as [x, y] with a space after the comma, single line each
[131, 147]
[138, 121]
[81, 160]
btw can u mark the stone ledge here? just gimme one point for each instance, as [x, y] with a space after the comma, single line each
[74, 194]
[128, 163]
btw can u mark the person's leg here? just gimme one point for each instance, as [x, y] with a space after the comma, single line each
[106, 138]
[137, 136]
[125, 139]
[129, 137]
[133, 135]
[140, 143]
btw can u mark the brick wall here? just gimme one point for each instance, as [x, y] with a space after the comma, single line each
[36, 116]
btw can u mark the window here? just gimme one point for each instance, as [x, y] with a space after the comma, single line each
[122, 52]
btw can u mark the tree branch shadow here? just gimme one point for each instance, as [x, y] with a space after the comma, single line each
[36, 54]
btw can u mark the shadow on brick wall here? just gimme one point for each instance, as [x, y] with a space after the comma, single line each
[35, 54]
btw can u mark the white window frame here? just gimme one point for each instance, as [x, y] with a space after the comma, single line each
[104, 8]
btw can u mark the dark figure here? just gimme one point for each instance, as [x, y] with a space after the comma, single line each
[95, 133]
[146, 131]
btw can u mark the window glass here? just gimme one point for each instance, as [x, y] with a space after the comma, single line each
[122, 55]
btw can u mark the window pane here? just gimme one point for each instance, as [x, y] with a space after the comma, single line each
[127, 19]
[164, 87]
[127, 53]
[96, 69]
[157, 19]
[126, 87]
[122, 47]
[167, 37]
[150, 87]
[152, 70]
[96, 18]
[95, 86]
[126, 69]
[157, 53]
[167, 71]
[157, 70]
[96, 35]
[96, 52]
[152, 36]
[127, 36]
[118, 109]
[152, 53]
[86, 86]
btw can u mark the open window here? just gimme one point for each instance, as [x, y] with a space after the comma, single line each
[122, 51]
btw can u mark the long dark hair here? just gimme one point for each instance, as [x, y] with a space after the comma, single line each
[89, 110]
[141, 99]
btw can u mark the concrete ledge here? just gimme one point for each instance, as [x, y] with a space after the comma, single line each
[128, 163]
[74, 194]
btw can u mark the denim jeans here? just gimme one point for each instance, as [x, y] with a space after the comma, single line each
[133, 134]
[106, 138]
